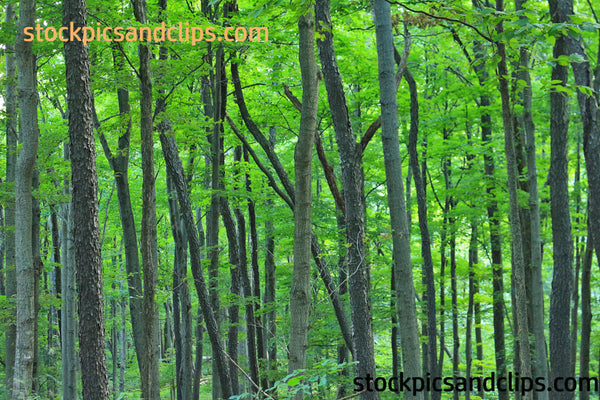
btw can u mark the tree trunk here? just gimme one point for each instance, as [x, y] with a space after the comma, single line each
[68, 306]
[233, 310]
[494, 225]
[300, 293]
[560, 297]
[25, 273]
[148, 235]
[586, 317]
[515, 222]
[11, 102]
[420, 187]
[175, 170]
[352, 182]
[88, 257]
[181, 301]
[540, 361]
[405, 290]
[119, 163]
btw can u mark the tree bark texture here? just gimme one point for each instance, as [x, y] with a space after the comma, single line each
[300, 293]
[24, 262]
[562, 274]
[405, 291]
[88, 257]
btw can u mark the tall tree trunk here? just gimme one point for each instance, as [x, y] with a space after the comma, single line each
[494, 223]
[560, 297]
[175, 170]
[540, 361]
[393, 170]
[251, 323]
[37, 272]
[68, 306]
[352, 182]
[11, 102]
[429, 278]
[88, 257]
[119, 163]
[233, 310]
[181, 301]
[255, 319]
[148, 235]
[300, 293]
[515, 222]
[25, 273]
[586, 317]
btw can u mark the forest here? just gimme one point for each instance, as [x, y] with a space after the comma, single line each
[299, 199]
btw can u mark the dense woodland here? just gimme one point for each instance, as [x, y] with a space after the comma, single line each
[372, 189]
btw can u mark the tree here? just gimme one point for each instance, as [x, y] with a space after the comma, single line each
[405, 291]
[28, 135]
[562, 273]
[11, 161]
[300, 293]
[86, 234]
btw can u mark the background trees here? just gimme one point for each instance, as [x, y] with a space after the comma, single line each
[496, 178]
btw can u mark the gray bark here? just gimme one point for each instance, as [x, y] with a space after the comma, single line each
[540, 360]
[181, 301]
[25, 270]
[11, 162]
[562, 276]
[175, 170]
[405, 290]
[148, 235]
[68, 306]
[300, 293]
[518, 260]
[353, 203]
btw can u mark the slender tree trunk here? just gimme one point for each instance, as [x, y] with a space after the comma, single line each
[68, 306]
[11, 102]
[300, 293]
[251, 323]
[393, 170]
[430, 295]
[25, 270]
[119, 163]
[181, 301]
[515, 223]
[148, 235]
[586, 317]
[88, 257]
[560, 297]
[175, 170]
[37, 272]
[233, 310]
[540, 361]
[494, 224]
[254, 318]
[352, 182]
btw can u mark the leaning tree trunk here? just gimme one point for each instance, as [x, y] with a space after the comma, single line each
[175, 170]
[25, 272]
[405, 290]
[300, 293]
[88, 257]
